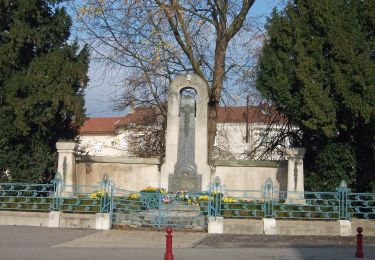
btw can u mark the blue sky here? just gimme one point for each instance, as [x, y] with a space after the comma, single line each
[103, 87]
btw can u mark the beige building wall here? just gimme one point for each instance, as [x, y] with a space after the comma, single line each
[104, 145]
[231, 140]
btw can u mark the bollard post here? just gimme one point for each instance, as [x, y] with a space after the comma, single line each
[359, 252]
[168, 249]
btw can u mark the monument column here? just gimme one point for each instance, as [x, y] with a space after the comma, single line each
[196, 132]
[295, 183]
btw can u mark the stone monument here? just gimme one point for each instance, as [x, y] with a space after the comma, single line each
[186, 167]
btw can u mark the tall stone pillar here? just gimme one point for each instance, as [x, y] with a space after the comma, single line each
[295, 184]
[66, 165]
[193, 132]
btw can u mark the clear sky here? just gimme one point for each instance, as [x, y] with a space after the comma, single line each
[103, 87]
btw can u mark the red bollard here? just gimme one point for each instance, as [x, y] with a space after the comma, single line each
[359, 252]
[168, 249]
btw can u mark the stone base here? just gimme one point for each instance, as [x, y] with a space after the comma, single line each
[215, 225]
[103, 221]
[190, 183]
[269, 226]
[54, 219]
[345, 228]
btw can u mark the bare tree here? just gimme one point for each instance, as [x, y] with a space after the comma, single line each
[154, 40]
[146, 136]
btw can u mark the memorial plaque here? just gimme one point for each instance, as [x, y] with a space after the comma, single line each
[185, 183]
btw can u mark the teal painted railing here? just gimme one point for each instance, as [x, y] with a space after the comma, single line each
[56, 196]
[27, 196]
[105, 197]
[271, 203]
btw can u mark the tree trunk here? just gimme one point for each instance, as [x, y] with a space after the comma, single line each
[215, 95]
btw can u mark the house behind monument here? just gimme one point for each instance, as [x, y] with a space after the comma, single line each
[242, 133]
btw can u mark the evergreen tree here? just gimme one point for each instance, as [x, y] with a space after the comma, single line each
[318, 68]
[42, 78]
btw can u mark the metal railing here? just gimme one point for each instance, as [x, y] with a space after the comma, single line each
[268, 202]
[271, 203]
[56, 196]
[27, 196]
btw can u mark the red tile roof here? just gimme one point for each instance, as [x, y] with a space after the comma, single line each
[256, 114]
[100, 125]
[108, 125]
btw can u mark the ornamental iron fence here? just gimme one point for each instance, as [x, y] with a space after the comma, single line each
[157, 208]
[83, 198]
[27, 196]
[271, 203]
[56, 196]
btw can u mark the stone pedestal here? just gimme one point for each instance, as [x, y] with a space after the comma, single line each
[66, 165]
[345, 228]
[103, 221]
[215, 225]
[269, 226]
[54, 219]
[295, 184]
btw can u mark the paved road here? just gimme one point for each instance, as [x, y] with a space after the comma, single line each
[257, 241]
[48, 243]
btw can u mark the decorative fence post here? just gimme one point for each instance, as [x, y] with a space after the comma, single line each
[104, 194]
[268, 197]
[58, 187]
[111, 202]
[214, 203]
[343, 198]
[162, 216]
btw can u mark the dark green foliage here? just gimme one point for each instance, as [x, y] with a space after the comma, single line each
[42, 78]
[318, 68]
[335, 162]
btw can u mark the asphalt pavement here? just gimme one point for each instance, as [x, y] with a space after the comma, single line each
[20, 242]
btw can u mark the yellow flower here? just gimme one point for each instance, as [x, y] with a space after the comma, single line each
[149, 188]
[154, 189]
[203, 198]
[98, 194]
[229, 200]
[134, 196]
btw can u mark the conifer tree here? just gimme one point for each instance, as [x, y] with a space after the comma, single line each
[42, 78]
[318, 68]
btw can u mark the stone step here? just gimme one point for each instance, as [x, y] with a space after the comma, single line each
[188, 219]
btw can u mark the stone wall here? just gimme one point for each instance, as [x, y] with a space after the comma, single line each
[297, 227]
[138, 173]
[131, 174]
[55, 219]
[251, 175]
[135, 174]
